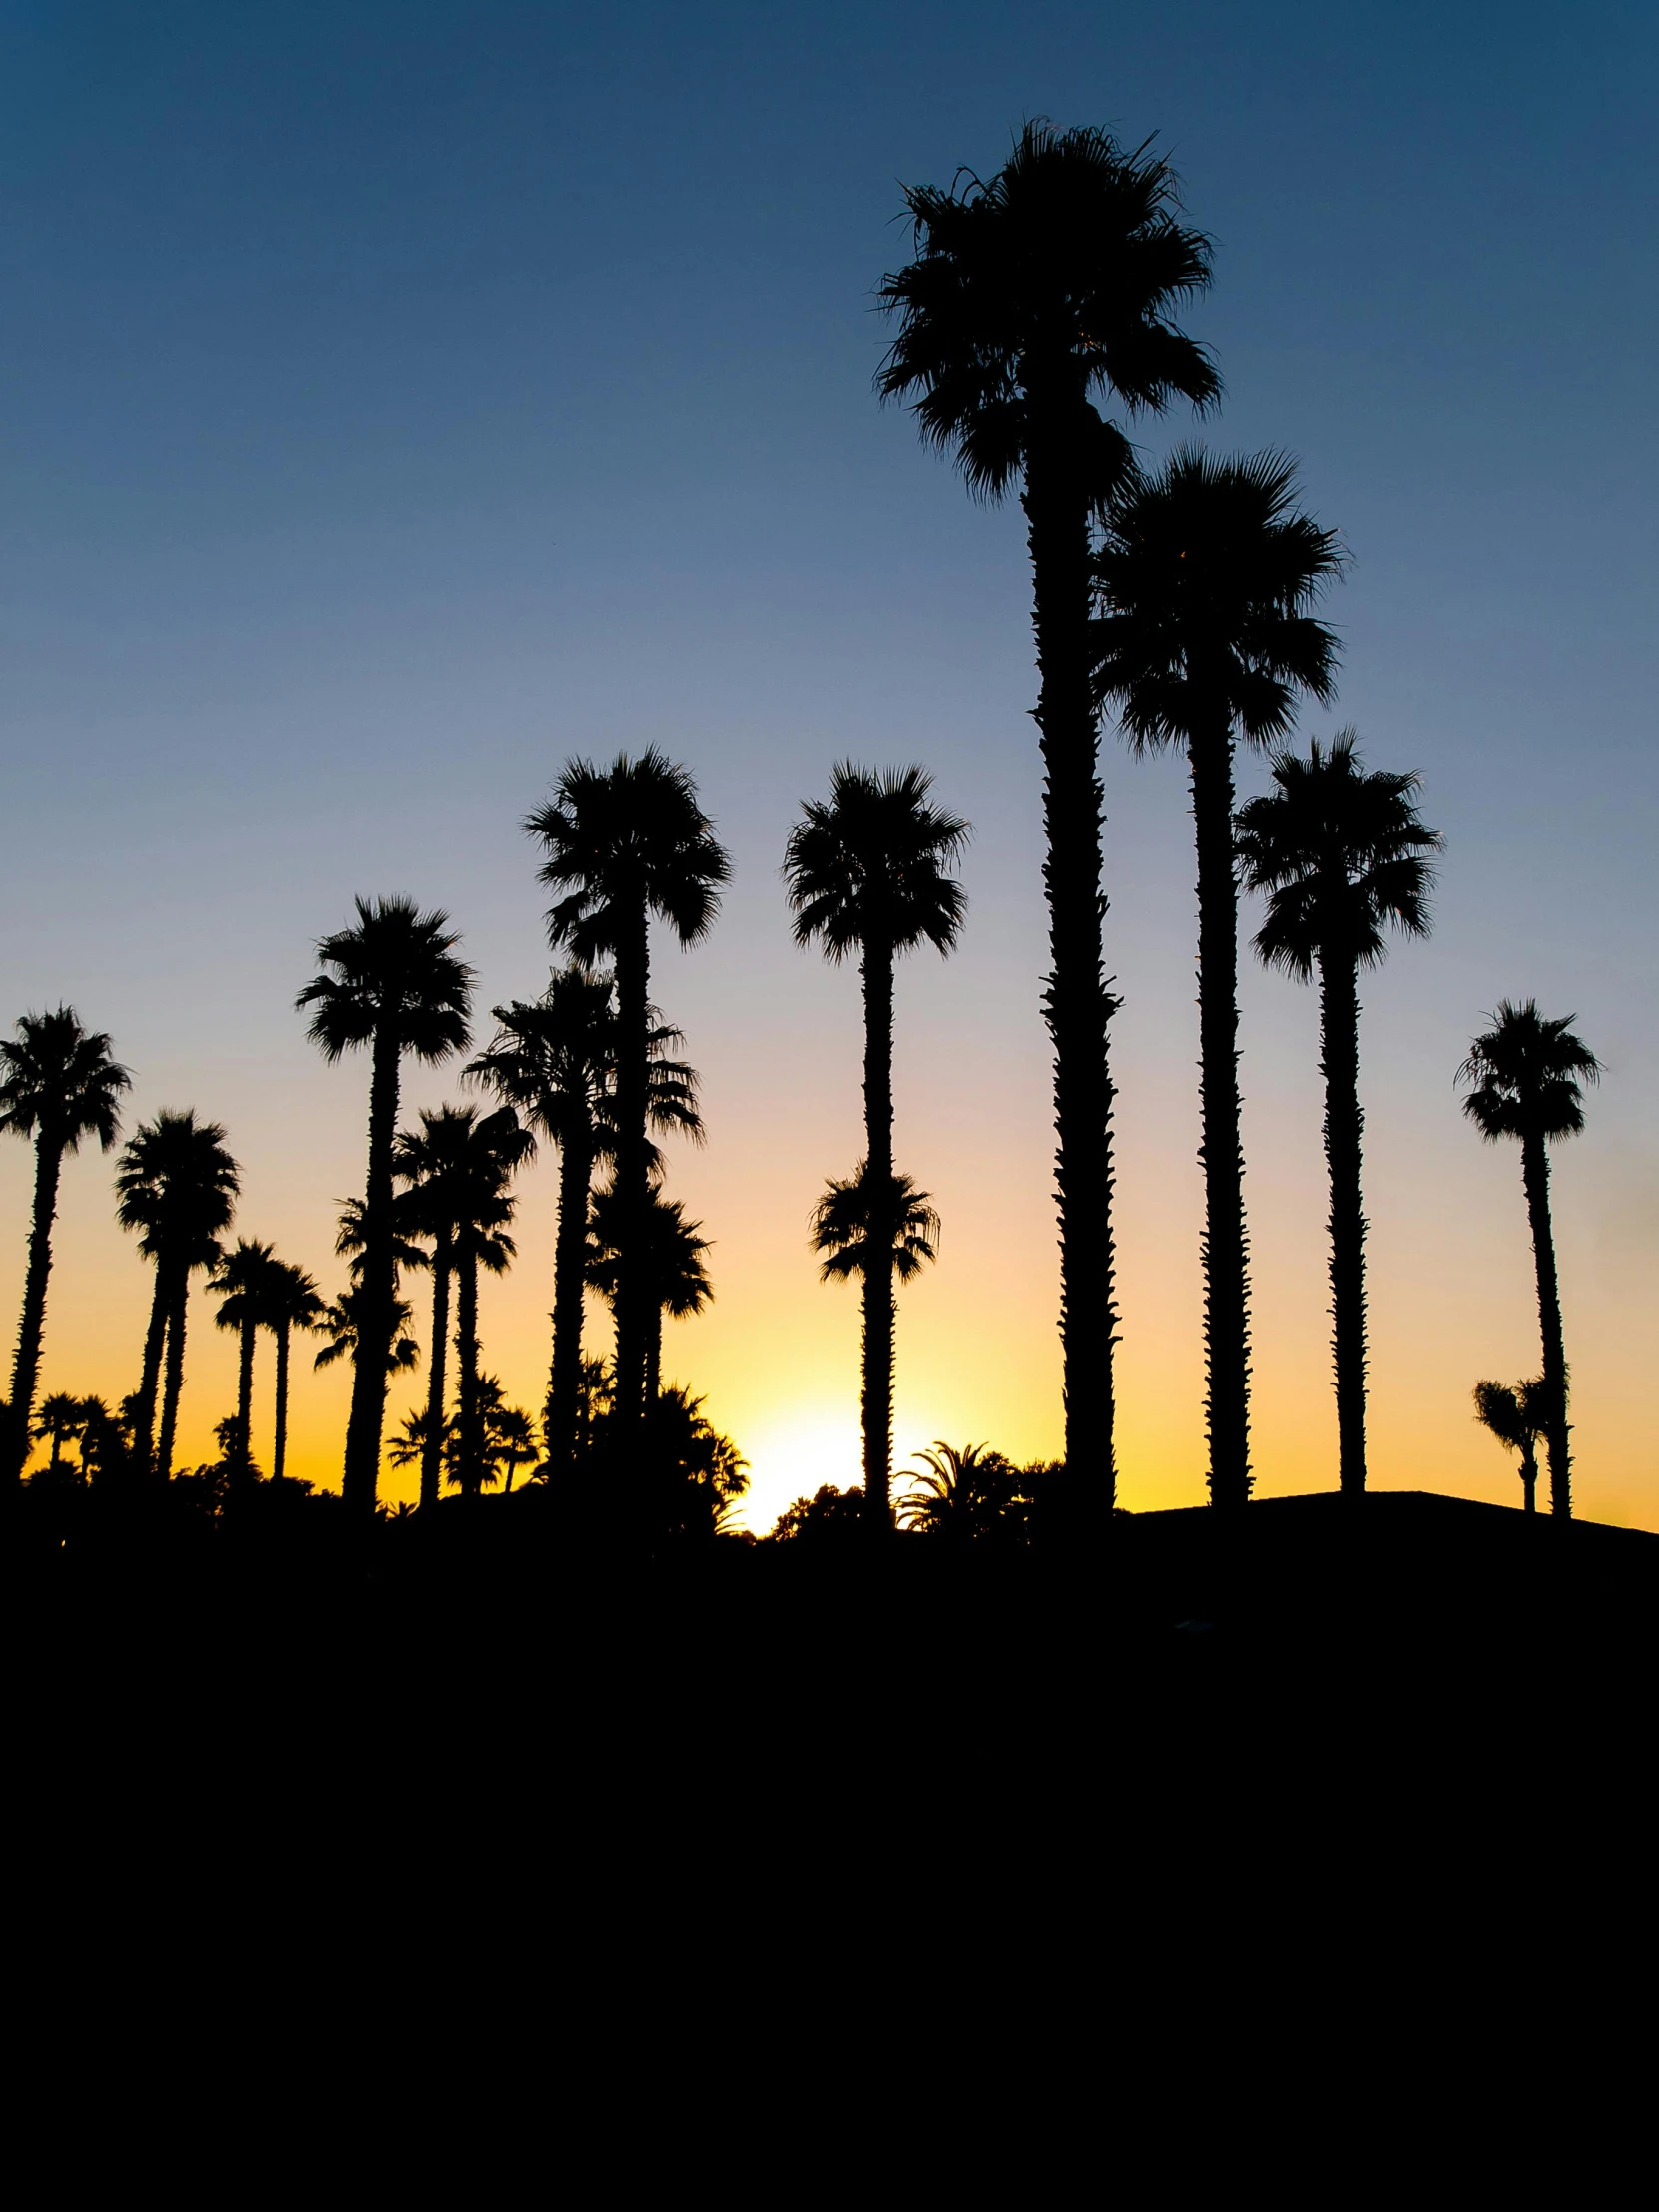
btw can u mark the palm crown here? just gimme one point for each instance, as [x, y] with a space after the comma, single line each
[176, 1186]
[59, 1080]
[623, 839]
[244, 1280]
[847, 1221]
[1341, 853]
[1528, 1075]
[669, 1255]
[396, 977]
[1050, 283]
[868, 864]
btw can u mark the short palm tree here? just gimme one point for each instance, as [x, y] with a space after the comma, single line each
[242, 1281]
[1342, 855]
[292, 1300]
[891, 1231]
[867, 872]
[671, 1258]
[177, 1187]
[1528, 1075]
[59, 1420]
[496, 1146]
[1206, 579]
[1032, 297]
[394, 984]
[58, 1084]
[342, 1320]
[624, 843]
[1516, 1418]
[961, 1494]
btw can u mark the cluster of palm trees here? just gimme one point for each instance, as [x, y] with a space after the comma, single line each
[1181, 599]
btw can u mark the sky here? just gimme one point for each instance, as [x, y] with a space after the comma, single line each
[397, 399]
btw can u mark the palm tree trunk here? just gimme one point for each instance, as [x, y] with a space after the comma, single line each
[279, 1444]
[245, 1397]
[431, 1451]
[1077, 1004]
[1530, 1480]
[369, 1386]
[633, 985]
[569, 1263]
[1536, 1176]
[653, 1356]
[144, 1432]
[1226, 1282]
[471, 1457]
[175, 1378]
[877, 1408]
[32, 1323]
[1344, 1126]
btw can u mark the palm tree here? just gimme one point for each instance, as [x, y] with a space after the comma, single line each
[58, 1084]
[1516, 1418]
[889, 1230]
[1341, 853]
[59, 1420]
[432, 1165]
[1032, 295]
[495, 1147]
[243, 1279]
[1206, 579]
[176, 1186]
[624, 843]
[341, 1319]
[395, 985]
[672, 1261]
[961, 1494]
[1528, 1075]
[292, 1300]
[866, 873]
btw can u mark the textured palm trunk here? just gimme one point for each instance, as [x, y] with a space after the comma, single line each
[1076, 1003]
[1535, 1175]
[653, 1356]
[877, 1393]
[379, 1279]
[32, 1323]
[245, 1397]
[471, 1439]
[279, 1443]
[1344, 1128]
[155, 1336]
[174, 1381]
[633, 985]
[569, 1264]
[1530, 1480]
[437, 1379]
[1226, 1283]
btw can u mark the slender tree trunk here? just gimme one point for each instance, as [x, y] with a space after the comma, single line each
[144, 1434]
[569, 1267]
[379, 1279]
[1535, 1175]
[245, 1397]
[175, 1377]
[1529, 1482]
[1226, 1282]
[877, 1408]
[470, 1466]
[1077, 1004]
[633, 987]
[1344, 1126]
[32, 1323]
[431, 1451]
[653, 1356]
[279, 1444]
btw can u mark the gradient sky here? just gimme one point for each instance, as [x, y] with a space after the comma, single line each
[398, 399]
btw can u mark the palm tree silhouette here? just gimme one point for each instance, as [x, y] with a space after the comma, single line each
[866, 873]
[243, 1279]
[1206, 577]
[58, 1084]
[1516, 1418]
[59, 1420]
[961, 1494]
[292, 1300]
[671, 1261]
[176, 1186]
[394, 985]
[342, 1320]
[495, 1146]
[1031, 295]
[890, 1229]
[1341, 853]
[1528, 1075]
[433, 1166]
[624, 843]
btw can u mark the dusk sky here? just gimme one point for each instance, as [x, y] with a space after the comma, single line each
[400, 398]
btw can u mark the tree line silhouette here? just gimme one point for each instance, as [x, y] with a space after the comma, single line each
[1182, 600]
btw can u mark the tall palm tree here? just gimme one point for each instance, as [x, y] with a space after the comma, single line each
[176, 1186]
[393, 984]
[58, 1084]
[865, 872]
[624, 843]
[671, 1258]
[242, 1280]
[889, 1230]
[1206, 579]
[432, 1166]
[1516, 1418]
[1528, 1076]
[1341, 853]
[495, 1147]
[1032, 295]
[292, 1300]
